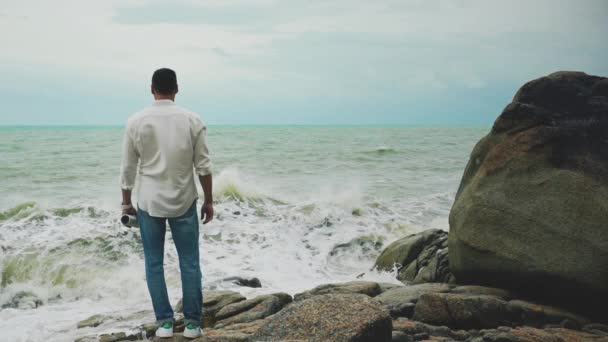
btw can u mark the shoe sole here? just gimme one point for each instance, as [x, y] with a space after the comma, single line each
[164, 335]
[186, 335]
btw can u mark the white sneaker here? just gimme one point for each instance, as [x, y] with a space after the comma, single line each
[192, 331]
[165, 330]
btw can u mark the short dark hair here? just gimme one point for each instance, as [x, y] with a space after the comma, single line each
[164, 81]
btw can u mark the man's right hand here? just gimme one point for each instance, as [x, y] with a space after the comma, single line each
[207, 212]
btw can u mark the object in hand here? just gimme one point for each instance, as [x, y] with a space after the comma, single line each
[129, 220]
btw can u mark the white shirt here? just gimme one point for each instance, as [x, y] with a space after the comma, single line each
[170, 143]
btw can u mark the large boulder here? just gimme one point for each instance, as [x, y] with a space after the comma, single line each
[531, 211]
[419, 258]
[332, 317]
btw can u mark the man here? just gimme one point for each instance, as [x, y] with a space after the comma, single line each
[170, 144]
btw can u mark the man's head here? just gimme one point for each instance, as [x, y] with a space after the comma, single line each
[164, 84]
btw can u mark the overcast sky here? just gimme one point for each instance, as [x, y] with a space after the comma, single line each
[409, 62]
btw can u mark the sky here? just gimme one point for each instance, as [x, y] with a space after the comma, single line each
[271, 62]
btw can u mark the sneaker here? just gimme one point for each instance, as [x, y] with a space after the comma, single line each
[165, 330]
[192, 331]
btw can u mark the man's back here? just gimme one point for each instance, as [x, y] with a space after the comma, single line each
[168, 140]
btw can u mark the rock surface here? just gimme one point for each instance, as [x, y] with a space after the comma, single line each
[531, 210]
[251, 309]
[368, 288]
[214, 301]
[335, 317]
[419, 258]
[469, 311]
[400, 301]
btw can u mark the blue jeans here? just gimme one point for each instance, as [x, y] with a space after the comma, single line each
[184, 230]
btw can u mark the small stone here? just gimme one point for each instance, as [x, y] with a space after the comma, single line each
[92, 321]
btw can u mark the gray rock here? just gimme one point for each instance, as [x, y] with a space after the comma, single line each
[399, 336]
[239, 332]
[387, 286]
[213, 301]
[419, 258]
[483, 290]
[530, 212]
[400, 301]
[334, 317]
[251, 310]
[368, 288]
[531, 334]
[463, 311]
[247, 282]
[24, 300]
[467, 311]
[92, 321]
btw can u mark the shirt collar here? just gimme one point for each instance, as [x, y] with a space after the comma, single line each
[162, 102]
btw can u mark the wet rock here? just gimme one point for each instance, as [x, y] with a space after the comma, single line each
[23, 300]
[364, 244]
[419, 258]
[387, 286]
[530, 212]
[368, 288]
[93, 321]
[252, 282]
[400, 301]
[214, 301]
[251, 309]
[334, 317]
[115, 337]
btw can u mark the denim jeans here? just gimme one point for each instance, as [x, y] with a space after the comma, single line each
[184, 230]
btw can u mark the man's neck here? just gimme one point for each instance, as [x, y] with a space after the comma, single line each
[164, 97]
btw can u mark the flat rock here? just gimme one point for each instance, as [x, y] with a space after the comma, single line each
[400, 300]
[239, 332]
[468, 311]
[368, 288]
[92, 321]
[463, 311]
[333, 317]
[251, 309]
[530, 334]
[540, 315]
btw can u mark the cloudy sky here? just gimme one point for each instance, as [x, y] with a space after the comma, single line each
[347, 62]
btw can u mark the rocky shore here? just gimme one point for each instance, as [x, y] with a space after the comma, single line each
[526, 258]
[369, 311]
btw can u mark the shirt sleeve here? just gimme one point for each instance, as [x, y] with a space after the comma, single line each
[202, 162]
[128, 167]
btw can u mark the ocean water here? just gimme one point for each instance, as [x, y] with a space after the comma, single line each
[296, 207]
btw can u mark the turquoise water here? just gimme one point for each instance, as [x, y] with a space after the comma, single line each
[285, 198]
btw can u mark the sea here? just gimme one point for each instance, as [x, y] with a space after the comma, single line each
[296, 207]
